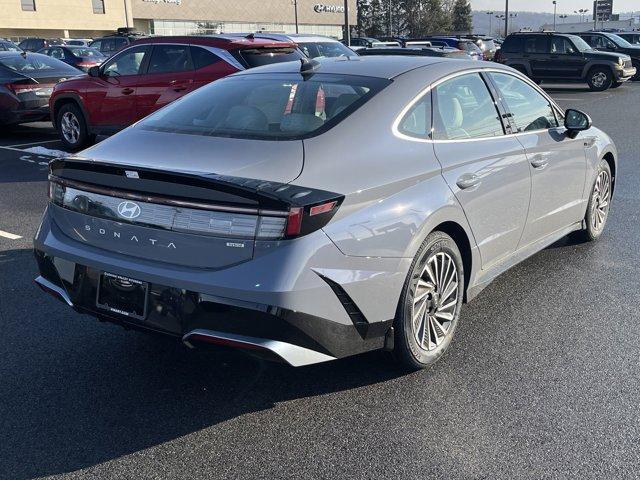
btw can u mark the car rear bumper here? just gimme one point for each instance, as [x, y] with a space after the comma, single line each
[24, 115]
[296, 315]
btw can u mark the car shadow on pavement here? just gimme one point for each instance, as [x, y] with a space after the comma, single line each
[76, 393]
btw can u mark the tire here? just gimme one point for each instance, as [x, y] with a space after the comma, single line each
[599, 79]
[437, 302]
[72, 128]
[616, 84]
[636, 77]
[599, 204]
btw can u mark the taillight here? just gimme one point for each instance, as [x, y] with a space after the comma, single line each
[304, 220]
[294, 221]
[18, 88]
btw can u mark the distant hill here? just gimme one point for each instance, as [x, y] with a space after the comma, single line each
[531, 20]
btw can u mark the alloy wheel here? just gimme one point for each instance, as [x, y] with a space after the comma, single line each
[599, 79]
[435, 301]
[601, 200]
[70, 127]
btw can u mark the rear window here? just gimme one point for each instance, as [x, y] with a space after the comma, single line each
[325, 49]
[86, 52]
[256, 57]
[35, 63]
[267, 106]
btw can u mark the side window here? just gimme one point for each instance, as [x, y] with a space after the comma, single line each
[562, 46]
[417, 121]
[202, 57]
[97, 44]
[464, 109]
[118, 43]
[530, 110]
[108, 46]
[57, 53]
[170, 58]
[126, 63]
[536, 44]
[513, 44]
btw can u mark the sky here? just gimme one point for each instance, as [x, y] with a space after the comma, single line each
[564, 6]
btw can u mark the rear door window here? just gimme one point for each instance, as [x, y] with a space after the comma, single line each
[417, 121]
[97, 45]
[464, 109]
[256, 57]
[170, 58]
[536, 44]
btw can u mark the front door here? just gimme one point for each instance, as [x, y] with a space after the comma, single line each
[120, 77]
[486, 169]
[556, 161]
[565, 59]
[169, 76]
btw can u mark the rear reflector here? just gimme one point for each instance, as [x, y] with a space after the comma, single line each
[324, 208]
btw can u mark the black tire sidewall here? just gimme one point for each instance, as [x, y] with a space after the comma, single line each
[406, 347]
[590, 232]
[84, 137]
[607, 84]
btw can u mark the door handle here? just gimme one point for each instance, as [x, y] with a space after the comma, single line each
[538, 161]
[468, 180]
[127, 91]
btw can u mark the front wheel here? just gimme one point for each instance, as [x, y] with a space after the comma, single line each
[599, 203]
[599, 79]
[430, 303]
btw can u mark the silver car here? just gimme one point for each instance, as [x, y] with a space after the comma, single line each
[308, 211]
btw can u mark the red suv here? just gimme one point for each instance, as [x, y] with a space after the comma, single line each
[149, 74]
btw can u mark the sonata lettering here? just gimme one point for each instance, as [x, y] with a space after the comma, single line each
[133, 238]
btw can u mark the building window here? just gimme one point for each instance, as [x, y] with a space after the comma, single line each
[98, 6]
[28, 5]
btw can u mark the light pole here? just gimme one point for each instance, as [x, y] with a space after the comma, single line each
[555, 5]
[295, 10]
[563, 16]
[595, 15]
[390, 27]
[582, 12]
[506, 18]
[490, 19]
[347, 32]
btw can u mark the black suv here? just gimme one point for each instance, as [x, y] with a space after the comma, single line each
[35, 44]
[112, 43]
[565, 58]
[611, 42]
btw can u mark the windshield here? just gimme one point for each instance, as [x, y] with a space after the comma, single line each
[9, 47]
[325, 49]
[579, 43]
[266, 106]
[86, 52]
[618, 40]
[35, 62]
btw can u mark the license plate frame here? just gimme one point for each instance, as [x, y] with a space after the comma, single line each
[112, 295]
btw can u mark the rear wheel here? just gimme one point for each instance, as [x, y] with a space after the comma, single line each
[599, 79]
[599, 204]
[430, 303]
[73, 128]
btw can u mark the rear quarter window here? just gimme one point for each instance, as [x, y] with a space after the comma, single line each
[256, 57]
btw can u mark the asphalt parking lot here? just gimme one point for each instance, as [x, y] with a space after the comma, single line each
[542, 380]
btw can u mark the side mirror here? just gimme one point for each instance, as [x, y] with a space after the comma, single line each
[94, 71]
[576, 121]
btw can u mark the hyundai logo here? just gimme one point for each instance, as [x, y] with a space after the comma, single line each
[129, 210]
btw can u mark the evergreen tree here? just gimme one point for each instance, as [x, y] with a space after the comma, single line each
[461, 16]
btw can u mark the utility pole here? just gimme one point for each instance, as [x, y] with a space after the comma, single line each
[506, 19]
[490, 20]
[390, 27]
[554, 14]
[295, 9]
[347, 31]
[595, 15]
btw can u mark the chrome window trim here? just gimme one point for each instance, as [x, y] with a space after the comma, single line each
[395, 127]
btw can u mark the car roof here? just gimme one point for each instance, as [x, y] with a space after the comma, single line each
[381, 66]
[222, 41]
[297, 37]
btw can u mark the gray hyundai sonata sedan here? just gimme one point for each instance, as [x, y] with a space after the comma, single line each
[310, 211]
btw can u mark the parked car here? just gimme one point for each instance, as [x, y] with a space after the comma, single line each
[466, 45]
[26, 82]
[566, 58]
[632, 37]
[78, 42]
[611, 42]
[486, 44]
[8, 46]
[149, 74]
[417, 51]
[313, 46]
[35, 44]
[311, 210]
[361, 42]
[113, 43]
[83, 58]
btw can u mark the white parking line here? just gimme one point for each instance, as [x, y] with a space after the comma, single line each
[24, 151]
[33, 143]
[10, 236]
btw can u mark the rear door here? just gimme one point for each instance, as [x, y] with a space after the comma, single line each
[120, 77]
[536, 52]
[486, 169]
[556, 161]
[169, 76]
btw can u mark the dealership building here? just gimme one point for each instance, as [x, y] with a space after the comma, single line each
[20, 19]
